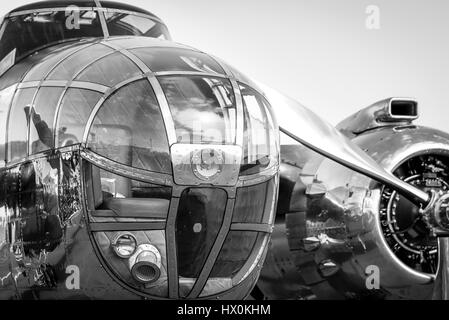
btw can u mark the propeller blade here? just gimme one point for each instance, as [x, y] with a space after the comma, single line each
[307, 128]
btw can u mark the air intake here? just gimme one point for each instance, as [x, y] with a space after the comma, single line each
[403, 109]
[391, 111]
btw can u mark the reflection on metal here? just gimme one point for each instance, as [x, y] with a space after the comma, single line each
[188, 159]
[145, 264]
[129, 172]
[441, 287]
[349, 222]
[328, 268]
[389, 112]
[112, 207]
[301, 124]
[125, 245]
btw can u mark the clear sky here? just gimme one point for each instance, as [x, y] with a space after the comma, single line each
[321, 51]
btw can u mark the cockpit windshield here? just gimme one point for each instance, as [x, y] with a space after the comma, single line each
[22, 33]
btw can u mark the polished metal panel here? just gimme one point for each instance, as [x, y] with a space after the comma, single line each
[114, 197]
[380, 115]
[332, 217]
[184, 163]
[307, 128]
[441, 288]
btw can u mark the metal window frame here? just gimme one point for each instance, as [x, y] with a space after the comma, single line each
[98, 8]
[3, 164]
[168, 225]
[127, 171]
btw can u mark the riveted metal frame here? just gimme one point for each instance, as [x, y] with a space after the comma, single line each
[190, 73]
[256, 227]
[165, 110]
[104, 25]
[127, 226]
[52, 83]
[3, 164]
[172, 255]
[253, 259]
[100, 103]
[98, 8]
[126, 171]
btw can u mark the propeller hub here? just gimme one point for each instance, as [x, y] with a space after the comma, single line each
[436, 214]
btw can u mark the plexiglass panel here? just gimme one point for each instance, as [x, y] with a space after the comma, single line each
[45, 28]
[76, 108]
[6, 97]
[55, 56]
[123, 24]
[164, 59]
[18, 124]
[234, 254]
[129, 129]
[42, 119]
[200, 216]
[113, 197]
[260, 143]
[203, 109]
[110, 70]
[76, 62]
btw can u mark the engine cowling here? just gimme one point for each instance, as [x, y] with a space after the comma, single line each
[335, 228]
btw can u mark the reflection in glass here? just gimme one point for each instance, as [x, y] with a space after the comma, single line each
[44, 28]
[129, 129]
[203, 109]
[110, 71]
[163, 59]
[53, 56]
[113, 196]
[260, 146]
[76, 62]
[250, 204]
[6, 97]
[76, 108]
[200, 216]
[18, 124]
[123, 24]
[234, 254]
[42, 117]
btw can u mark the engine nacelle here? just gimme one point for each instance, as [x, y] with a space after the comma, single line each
[337, 229]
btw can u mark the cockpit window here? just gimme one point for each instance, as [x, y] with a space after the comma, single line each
[76, 108]
[77, 61]
[203, 109]
[169, 59]
[18, 124]
[42, 116]
[102, 73]
[26, 33]
[259, 147]
[129, 129]
[21, 35]
[6, 97]
[124, 24]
